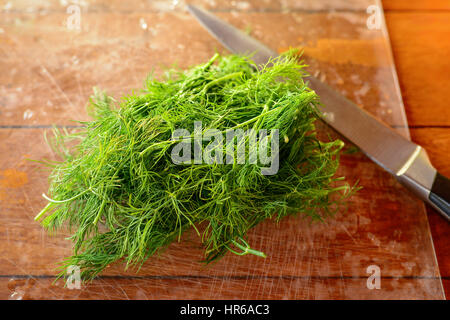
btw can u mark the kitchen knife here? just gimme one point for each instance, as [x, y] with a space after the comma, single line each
[405, 160]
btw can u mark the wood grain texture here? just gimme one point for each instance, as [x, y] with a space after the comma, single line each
[55, 77]
[216, 5]
[437, 142]
[303, 259]
[421, 47]
[415, 5]
[440, 230]
[115, 57]
[113, 288]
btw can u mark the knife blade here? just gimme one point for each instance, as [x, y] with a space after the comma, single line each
[405, 160]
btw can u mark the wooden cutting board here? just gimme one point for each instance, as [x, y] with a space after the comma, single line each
[49, 69]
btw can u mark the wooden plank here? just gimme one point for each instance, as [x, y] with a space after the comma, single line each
[416, 5]
[114, 53]
[371, 233]
[216, 5]
[446, 284]
[440, 230]
[422, 63]
[437, 142]
[114, 288]
[244, 6]
[330, 260]
[421, 50]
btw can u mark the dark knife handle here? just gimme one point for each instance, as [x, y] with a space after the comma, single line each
[440, 194]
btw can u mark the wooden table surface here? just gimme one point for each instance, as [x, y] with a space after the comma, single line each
[420, 39]
[419, 32]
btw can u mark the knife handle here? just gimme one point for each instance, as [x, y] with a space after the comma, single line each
[440, 194]
[422, 178]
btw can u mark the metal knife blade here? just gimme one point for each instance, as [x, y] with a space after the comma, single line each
[407, 161]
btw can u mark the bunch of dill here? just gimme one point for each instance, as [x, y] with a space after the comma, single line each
[123, 197]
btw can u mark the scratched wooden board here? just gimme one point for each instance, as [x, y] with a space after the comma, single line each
[48, 75]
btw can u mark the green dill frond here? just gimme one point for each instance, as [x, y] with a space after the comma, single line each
[122, 197]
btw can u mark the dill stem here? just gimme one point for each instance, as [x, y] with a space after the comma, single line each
[247, 250]
[263, 114]
[257, 123]
[216, 81]
[66, 200]
[211, 61]
[99, 212]
[43, 211]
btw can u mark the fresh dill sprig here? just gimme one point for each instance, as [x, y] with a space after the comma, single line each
[123, 197]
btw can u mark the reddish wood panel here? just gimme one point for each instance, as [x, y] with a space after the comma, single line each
[301, 256]
[446, 284]
[421, 47]
[416, 5]
[440, 230]
[346, 54]
[217, 5]
[421, 56]
[113, 288]
[55, 76]
[437, 142]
